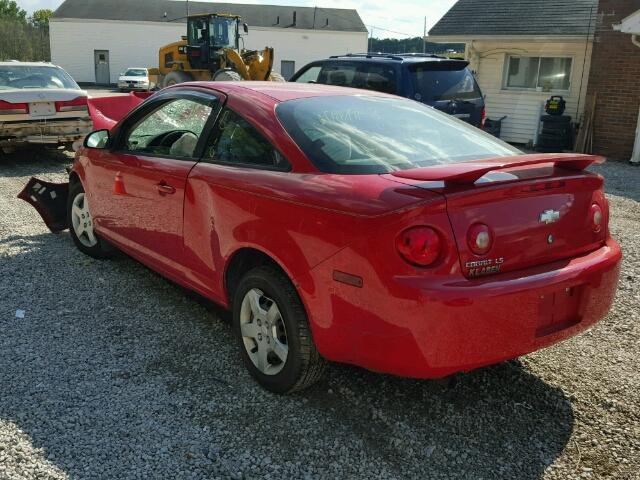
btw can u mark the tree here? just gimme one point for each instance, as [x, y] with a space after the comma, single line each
[40, 18]
[9, 10]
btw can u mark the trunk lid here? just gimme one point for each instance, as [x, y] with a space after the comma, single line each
[537, 212]
[35, 95]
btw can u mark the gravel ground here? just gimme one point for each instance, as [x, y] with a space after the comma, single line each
[116, 373]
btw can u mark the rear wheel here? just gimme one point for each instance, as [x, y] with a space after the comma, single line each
[81, 225]
[226, 75]
[272, 331]
[276, 77]
[173, 78]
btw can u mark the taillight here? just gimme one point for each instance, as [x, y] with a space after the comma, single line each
[479, 238]
[7, 108]
[597, 217]
[78, 104]
[484, 117]
[419, 246]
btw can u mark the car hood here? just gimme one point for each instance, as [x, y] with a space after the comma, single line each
[132, 79]
[30, 95]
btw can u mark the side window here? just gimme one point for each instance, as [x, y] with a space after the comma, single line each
[236, 141]
[381, 78]
[171, 130]
[310, 76]
[340, 74]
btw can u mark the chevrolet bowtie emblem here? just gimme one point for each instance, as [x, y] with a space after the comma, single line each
[549, 216]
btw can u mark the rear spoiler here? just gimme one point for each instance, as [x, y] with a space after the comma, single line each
[469, 172]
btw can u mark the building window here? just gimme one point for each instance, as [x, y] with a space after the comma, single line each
[538, 73]
[287, 68]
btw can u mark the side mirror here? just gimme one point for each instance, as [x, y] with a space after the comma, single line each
[245, 27]
[98, 139]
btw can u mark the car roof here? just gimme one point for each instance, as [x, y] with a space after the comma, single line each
[27, 64]
[396, 58]
[282, 91]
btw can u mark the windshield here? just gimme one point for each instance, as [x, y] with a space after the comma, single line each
[443, 81]
[223, 32]
[21, 76]
[135, 72]
[366, 134]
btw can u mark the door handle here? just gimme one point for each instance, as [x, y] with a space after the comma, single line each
[165, 189]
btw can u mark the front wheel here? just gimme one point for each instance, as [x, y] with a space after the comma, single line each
[271, 327]
[175, 77]
[81, 225]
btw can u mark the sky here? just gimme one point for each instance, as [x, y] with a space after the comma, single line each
[398, 18]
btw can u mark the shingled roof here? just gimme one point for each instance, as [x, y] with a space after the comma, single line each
[339, 19]
[518, 17]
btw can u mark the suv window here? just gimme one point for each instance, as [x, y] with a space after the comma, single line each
[310, 75]
[172, 129]
[340, 74]
[435, 81]
[238, 142]
[378, 77]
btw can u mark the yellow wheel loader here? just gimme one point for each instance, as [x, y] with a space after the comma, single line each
[211, 51]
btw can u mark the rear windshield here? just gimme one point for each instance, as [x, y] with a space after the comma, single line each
[362, 134]
[437, 81]
[135, 72]
[21, 76]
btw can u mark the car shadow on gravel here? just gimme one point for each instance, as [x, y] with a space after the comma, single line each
[620, 178]
[34, 161]
[122, 374]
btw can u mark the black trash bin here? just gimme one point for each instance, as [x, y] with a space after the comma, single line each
[493, 127]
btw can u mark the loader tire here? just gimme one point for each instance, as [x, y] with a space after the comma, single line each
[227, 75]
[174, 78]
[276, 77]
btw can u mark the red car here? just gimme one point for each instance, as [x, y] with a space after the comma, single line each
[345, 225]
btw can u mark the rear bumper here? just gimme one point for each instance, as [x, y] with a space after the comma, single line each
[433, 327]
[51, 132]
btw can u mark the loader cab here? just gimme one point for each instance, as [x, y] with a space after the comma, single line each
[207, 36]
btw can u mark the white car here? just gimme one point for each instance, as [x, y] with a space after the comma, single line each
[134, 79]
[40, 104]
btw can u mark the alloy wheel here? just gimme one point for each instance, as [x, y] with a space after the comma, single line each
[263, 332]
[82, 222]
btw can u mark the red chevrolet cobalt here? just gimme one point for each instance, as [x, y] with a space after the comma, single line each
[343, 225]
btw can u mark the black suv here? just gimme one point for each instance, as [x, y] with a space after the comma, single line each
[443, 83]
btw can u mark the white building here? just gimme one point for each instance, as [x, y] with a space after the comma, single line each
[128, 33]
[522, 53]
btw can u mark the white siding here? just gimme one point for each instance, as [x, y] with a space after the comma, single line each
[136, 44]
[522, 107]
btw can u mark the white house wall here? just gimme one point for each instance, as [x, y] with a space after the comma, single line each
[136, 44]
[522, 107]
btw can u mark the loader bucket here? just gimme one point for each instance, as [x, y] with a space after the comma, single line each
[107, 111]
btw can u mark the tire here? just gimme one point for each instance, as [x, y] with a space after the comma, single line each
[226, 75]
[556, 119]
[88, 243]
[276, 77]
[556, 132]
[270, 330]
[175, 77]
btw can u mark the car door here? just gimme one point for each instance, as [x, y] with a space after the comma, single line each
[220, 203]
[142, 199]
